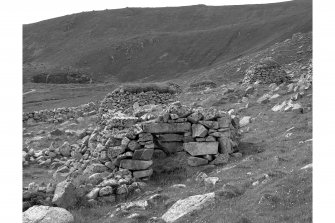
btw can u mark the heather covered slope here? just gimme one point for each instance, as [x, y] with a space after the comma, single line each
[148, 44]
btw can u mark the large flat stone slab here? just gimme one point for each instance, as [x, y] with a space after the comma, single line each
[187, 205]
[46, 214]
[167, 127]
[135, 164]
[201, 148]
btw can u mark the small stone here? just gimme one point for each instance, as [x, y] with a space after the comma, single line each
[122, 189]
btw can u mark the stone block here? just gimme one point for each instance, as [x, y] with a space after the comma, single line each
[142, 173]
[199, 130]
[143, 154]
[201, 148]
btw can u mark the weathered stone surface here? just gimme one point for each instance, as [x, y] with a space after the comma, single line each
[221, 159]
[196, 161]
[188, 205]
[133, 145]
[135, 164]
[142, 173]
[115, 151]
[181, 110]
[158, 154]
[224, 122]
[143, 154]
[201, 148]
[210, 124]
[199, 130]
[93, 193]
[224, 145]
[46, 214]
[195, 117]
[166, 127]
[105, 191]
[122, 121]
[170, 138]
[171, 147]
[95, 168]
[65, 195]
[245, 121]
[200, 139]
[65, 149]
[144, 137]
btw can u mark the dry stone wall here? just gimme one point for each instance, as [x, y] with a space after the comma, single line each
[123, 100]
[60, 114]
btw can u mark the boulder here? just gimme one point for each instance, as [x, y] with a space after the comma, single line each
[166, 127]
[135, 164]
[187, 205]
[199, 130]
[46, 214]
[65, 195]
[196, 161]
[201, 148]
[133, 145]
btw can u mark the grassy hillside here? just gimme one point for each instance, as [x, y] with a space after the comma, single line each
[134, 44]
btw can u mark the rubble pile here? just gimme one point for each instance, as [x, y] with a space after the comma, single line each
[58, 115]
[266, 72]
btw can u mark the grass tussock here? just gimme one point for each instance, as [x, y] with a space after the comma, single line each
[145, 87]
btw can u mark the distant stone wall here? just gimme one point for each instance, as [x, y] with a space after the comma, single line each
[59, 114]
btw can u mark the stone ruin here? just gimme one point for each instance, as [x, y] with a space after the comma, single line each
[117, 100]
[123, 100]
[266, 72]
[110, 160]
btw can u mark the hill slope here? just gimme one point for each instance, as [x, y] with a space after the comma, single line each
[134, 44]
